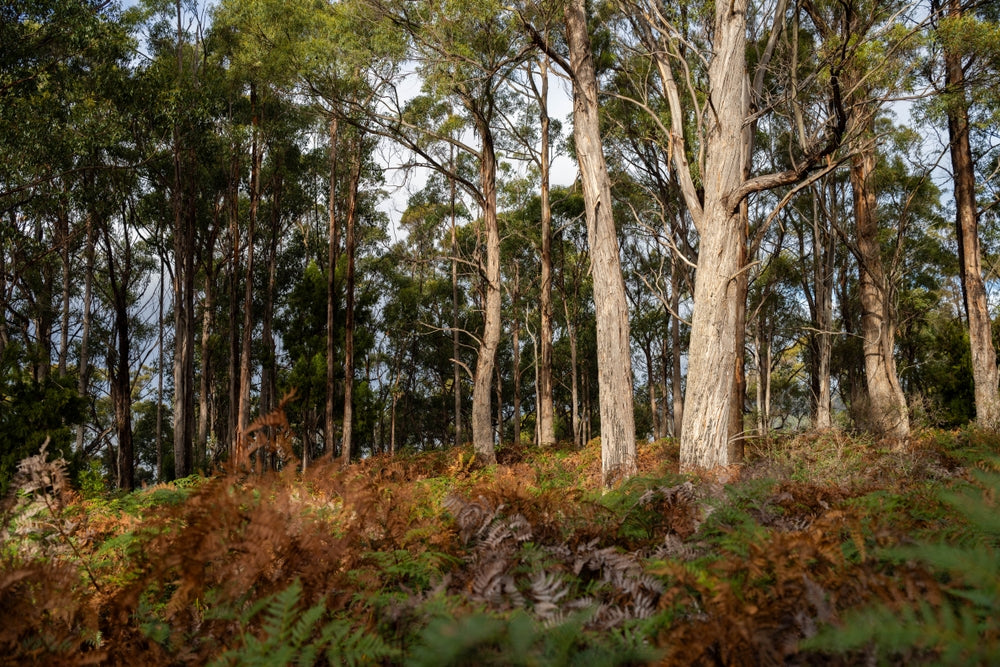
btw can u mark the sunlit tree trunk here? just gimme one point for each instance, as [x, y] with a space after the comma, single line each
[207, 368]
[717, 294]
[614, 360]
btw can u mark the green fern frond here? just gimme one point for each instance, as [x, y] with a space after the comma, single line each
[962, 629]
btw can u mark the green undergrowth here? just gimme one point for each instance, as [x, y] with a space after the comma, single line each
[820, 549]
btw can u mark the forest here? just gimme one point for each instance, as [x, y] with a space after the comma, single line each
[566, 329]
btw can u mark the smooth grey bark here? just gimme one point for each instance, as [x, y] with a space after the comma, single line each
[207, 368]
[614, 360]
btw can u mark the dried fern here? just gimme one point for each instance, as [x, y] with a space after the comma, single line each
[963, 627]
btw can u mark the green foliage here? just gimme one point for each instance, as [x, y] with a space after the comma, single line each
[960, 628]
[732, 525]
[276, 631]
[518, 639]
[31, 412]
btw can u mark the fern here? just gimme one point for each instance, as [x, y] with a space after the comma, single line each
[965, 627]
[482, 639]
[291, 636]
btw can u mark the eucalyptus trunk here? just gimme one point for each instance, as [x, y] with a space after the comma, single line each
[67, 287]
[246, 346]
[482, 428]
[676, 376]
[333, 248]
[715, 323]
[83, 382]
[350, 249]
[183, 293]
[614, 361]
[207, 368]
[455, 324]
[984, 362]
[546, 409]
[824, 257]
[886, 412]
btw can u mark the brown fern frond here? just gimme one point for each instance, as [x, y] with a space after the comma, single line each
[547, 590]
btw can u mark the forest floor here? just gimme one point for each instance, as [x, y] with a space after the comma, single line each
[821, 549]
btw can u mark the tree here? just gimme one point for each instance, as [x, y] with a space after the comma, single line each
[956, 33]
[614, 360]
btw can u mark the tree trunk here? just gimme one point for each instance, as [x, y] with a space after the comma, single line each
[676, 377]
[651, 388]
[119, 351]
[516, 346]
[183, 294]
[67, 285]
[456, 349]
[233, 283]
[268, 371]
[246, 346]
[823, 278]
[349, 238]
[736, 426]
[207, 368]
[984, 363]
[43, 315]
[546, 409]
[482, 427]
[614, 360]
[159, 379]
[714, 327]
[88, 288]
[574, 385]
[886, 410]
[331, 292]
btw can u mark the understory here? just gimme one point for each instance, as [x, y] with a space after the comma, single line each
[822, 548]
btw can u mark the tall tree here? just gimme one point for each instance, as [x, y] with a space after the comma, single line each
[956, 55]
[714, 188]
[614, 359]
